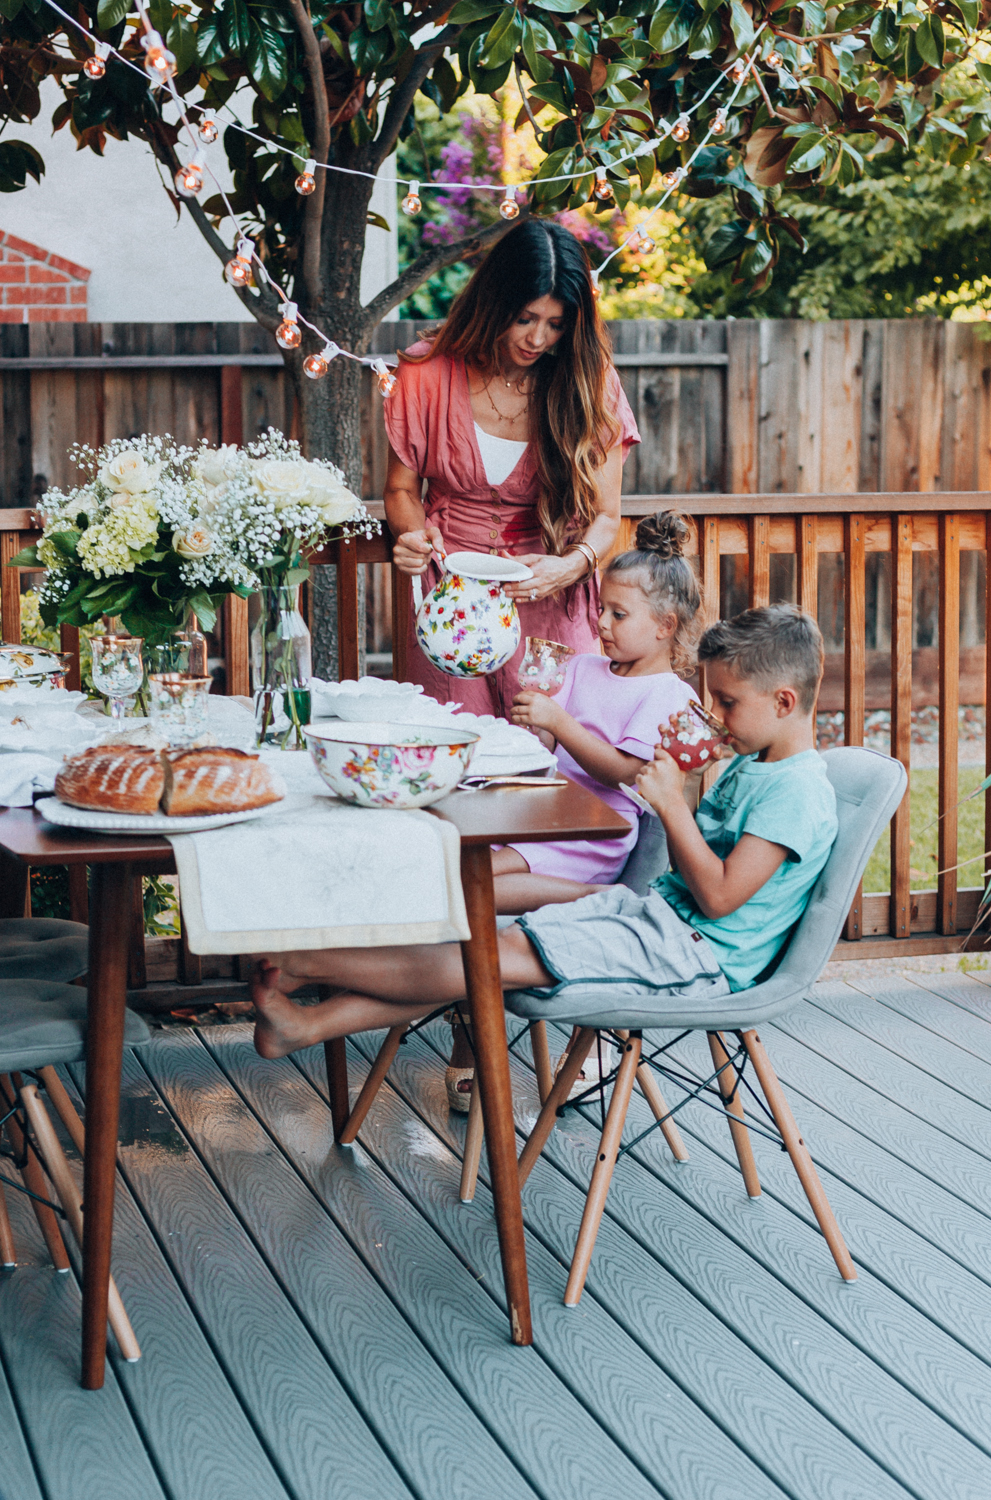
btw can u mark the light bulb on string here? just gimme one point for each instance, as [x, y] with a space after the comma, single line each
[774, 60]
[288, 334]
[209, 130]
[317, 365]
[159, 61]
[603, 188]
[384, 377]
[738, 70]
[681, 129]
[306, 182]
[646, 244]
[717, 124]
[596, 288]
[238, 270]
[672, 179]
[189, 179]
[95, 66]
[509, 208]
[411, 203]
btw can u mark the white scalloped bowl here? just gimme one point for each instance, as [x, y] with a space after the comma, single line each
[377, 700]
[385, 765]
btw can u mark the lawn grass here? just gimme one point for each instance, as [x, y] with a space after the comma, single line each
[925, 811]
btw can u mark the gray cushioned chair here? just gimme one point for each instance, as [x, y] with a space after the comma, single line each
[42, 1024]
[43, 948]
[868, 789]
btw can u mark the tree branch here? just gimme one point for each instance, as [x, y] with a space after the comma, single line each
[401, 99]
[321, 151]
[431, 261]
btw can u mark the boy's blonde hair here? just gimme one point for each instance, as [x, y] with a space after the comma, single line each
[779, 645]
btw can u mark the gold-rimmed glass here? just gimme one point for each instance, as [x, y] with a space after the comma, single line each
[118, 670]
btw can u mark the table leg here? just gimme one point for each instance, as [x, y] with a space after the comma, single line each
[109, 942]
[13, 888]
[481, 961]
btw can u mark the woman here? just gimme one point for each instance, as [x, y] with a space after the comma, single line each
[515, 417]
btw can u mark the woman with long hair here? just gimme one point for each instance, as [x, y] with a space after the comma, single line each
[514, 415]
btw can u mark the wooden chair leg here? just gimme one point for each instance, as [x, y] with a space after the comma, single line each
[371, 1085]
[541, 1059]
[63, 1107]
[537, 1139]
[71, 1201]
[336, 1055]
[602, 1172]
[654, 1097]
[734, 1106]
[799, 1153]
[8, 1255]
[34, 1180]
[474, 1135]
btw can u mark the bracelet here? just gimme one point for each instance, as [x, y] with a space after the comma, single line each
[589, 553]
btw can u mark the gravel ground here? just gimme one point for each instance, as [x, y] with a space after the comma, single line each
[925, 733]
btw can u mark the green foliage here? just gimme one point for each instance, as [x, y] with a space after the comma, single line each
[607, 78]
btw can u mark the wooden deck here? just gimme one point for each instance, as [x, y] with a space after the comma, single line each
[327, 1324]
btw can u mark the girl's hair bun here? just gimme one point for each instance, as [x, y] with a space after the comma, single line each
[665, 534]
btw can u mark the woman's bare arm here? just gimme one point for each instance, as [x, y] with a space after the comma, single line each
[414, 540]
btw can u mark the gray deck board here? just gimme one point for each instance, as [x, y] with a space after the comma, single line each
[323, 1324]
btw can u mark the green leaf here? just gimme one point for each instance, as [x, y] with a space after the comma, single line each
[110, 13]
[18, 162]
[26, 558]
[562, 7]
[446, 80]
[756, 259]
[807, 162]
[267, 61]
[742, 26]
[473, 10]
[929, 41]
[704, 37]
[378, 13]
[537, 38]
[235, 26]
[503, 39]
[65, 542]
[11, 9]
[181, 39]
[970, 10]
[729, 241]
[672, 26]
[378, 221]
[368, 49]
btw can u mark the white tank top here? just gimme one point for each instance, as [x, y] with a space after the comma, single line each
[499, 455]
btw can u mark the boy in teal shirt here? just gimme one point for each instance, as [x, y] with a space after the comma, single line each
[743, 873]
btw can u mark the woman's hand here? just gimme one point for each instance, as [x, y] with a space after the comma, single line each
[411, 552]
[536, 711]
[550, 575]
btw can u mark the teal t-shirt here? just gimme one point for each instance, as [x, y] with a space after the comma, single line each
[789, 802]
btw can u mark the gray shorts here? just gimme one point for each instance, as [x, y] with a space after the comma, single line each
[617, 954]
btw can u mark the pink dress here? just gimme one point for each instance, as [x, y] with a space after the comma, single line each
[431, 428]
[624, 712]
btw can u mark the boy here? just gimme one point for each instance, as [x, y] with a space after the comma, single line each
[745, 865]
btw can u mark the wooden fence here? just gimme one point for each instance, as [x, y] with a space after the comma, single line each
[843, 465]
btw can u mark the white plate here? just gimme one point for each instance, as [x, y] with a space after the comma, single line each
[54, 811]
[537, 759]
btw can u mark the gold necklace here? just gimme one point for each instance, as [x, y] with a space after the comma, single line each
[502, 415]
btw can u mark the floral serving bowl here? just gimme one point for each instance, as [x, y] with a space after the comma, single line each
[390, 765]
[32, 665]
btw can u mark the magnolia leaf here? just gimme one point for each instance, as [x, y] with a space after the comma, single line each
[742, 26]
[503, 39]
[728, 242]
[110, 13]
[378, 221]
[18, 162]
[929, 41]
[884, 33]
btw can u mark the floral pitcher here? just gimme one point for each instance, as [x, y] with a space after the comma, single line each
[467, 626]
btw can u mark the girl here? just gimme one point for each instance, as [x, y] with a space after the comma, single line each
[605, 721]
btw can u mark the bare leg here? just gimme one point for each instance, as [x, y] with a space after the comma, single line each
[518, 891]
[381, 987]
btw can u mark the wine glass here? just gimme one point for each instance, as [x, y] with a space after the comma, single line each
[544, 665]
[117, 669]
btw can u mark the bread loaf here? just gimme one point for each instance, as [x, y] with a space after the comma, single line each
[113, 778]
[216, 780]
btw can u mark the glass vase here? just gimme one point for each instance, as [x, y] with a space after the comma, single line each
[281, 668]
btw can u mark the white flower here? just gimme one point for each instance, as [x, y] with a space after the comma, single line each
[215, 466]
[285, 483]
[330, 495]
[195, 541]
[129, 473]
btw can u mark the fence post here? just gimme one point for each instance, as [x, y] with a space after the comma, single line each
[949, 697]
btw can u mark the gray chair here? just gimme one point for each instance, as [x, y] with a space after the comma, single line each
[43, 948]
[42, 1024]
[868, 789]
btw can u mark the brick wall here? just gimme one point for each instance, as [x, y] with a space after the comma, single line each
[39, 287]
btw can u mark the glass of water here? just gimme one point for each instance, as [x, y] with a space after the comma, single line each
[177, 705]
[117, 669]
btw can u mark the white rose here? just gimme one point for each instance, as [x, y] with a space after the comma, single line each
[215, 466]
[331, 496]
[130, 473]
[284, 483]
[195, 541]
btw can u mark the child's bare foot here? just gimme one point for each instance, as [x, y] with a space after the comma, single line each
[282, 1026]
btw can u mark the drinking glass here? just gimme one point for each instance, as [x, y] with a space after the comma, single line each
[117, 669]
[544, 665]
[177, 705]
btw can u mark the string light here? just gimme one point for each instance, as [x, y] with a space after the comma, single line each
[646, 244]
[288, 334]
[509, 208]
[672, 179]
[209, 130]
[603, 188]
[306, 182]
[718, 123]
[411, 203]
[238, 270]
[96, 66]
[159, 61]
[738, 70]
[189, 179]
[384, 376]
[681, 129]
[774, 60]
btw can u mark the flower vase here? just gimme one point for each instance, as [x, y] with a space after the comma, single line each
[281, 668]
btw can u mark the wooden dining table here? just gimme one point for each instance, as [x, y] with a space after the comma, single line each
[493, 815]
